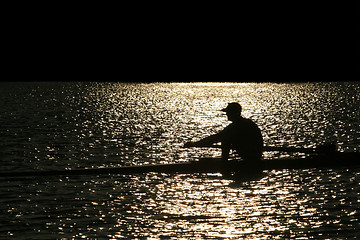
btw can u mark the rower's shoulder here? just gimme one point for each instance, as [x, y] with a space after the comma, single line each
[246, 121]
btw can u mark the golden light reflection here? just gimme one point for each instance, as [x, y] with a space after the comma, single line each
[127, 124]
[225, 212]
[264, 208]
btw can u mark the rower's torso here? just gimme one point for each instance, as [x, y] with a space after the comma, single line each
[244, 136]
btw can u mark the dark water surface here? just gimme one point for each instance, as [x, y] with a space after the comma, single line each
[53, 126]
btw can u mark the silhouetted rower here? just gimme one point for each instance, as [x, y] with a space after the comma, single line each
[242, 135]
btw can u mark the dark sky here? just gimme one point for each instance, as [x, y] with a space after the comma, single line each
[264, 43]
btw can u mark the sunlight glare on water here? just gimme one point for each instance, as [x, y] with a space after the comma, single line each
[52, 126]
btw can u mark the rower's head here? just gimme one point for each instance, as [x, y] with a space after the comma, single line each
[233, 111]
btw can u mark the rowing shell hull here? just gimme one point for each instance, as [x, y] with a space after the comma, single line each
[212, 165]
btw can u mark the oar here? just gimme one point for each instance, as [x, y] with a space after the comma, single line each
[320, 149]
[290, 149]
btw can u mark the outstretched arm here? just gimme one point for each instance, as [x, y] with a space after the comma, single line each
[210, 140]
[206, 142]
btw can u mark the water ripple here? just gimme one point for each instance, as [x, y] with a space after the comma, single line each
[86, 125]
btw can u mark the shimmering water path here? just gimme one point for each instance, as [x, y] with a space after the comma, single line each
[50, 126]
